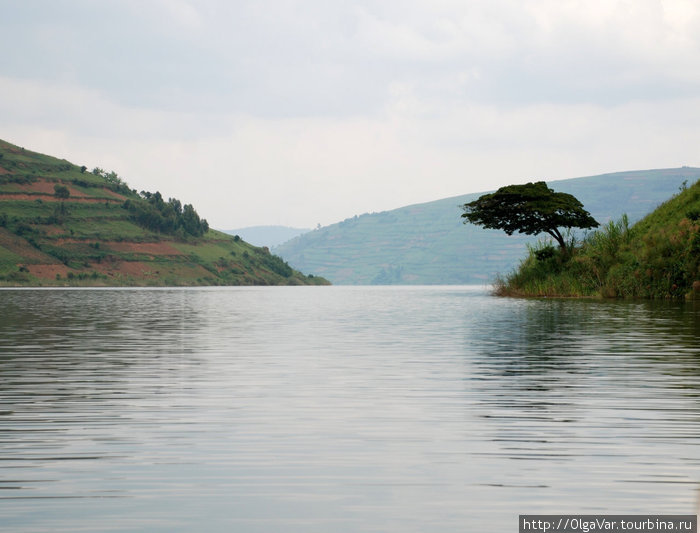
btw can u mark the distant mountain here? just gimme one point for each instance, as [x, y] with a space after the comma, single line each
[61, 224]
[428, 244]
[269, 236]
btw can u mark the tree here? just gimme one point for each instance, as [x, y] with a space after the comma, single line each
[61, 192]
[532, 208]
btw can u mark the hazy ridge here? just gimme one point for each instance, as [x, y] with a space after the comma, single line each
[428, 244]
[269, 236]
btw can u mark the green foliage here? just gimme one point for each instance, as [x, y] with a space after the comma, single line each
[544, 253]
[16, 277]
[89, 238]
[114, 181]
[154, 213]
[20, 179]
[61, 192]
[432, 246]
[59, 216]
[531, 209]
[659, 257]
[277, 265]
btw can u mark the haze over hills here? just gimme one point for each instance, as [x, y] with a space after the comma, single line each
[61, 224]
[269, 236]
[428, 243]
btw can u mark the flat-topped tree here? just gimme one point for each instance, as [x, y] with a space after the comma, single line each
[531, 208]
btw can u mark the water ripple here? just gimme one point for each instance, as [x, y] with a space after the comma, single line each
[340, 408]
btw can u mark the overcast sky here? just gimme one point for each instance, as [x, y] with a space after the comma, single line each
[304, 112]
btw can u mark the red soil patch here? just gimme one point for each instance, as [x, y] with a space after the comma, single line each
[39, 186]
[52, 198]
[115, 195]
[44, 186]
[48, 271]
[4, 171]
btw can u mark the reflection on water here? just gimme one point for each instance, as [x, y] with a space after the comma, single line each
[340, 409]
[600, 398]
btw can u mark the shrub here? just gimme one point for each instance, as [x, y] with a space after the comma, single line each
[544, 253]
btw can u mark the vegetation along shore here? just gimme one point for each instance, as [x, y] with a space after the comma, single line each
[656, 258]
[64, 225]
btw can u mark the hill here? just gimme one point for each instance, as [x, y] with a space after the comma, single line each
[658, 257]
[428, 244]
[269, 236]
[63, 225]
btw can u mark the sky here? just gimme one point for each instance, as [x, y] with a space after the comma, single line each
[300, 113]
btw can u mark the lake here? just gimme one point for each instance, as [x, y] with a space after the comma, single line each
[344, 409]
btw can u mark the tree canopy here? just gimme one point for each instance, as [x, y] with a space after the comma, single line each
[531, 208]
[61, 192]
[153, 212]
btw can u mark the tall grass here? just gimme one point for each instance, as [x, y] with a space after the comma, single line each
[657, 258]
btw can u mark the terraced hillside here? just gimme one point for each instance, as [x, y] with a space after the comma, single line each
[61, 224]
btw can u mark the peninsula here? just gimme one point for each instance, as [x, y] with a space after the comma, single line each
[64, 225]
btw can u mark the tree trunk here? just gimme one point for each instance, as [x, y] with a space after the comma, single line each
[554, 232]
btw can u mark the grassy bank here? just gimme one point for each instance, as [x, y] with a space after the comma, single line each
[658, 257]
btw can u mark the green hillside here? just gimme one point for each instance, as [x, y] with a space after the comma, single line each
[658, 257]
[61, 224]
[428, 244]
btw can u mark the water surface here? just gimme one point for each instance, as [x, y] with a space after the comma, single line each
[316, 409]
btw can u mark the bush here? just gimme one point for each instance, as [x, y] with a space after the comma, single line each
[61, 192]
[545, 253]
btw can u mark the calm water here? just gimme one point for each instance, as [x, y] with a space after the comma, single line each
[320, 409]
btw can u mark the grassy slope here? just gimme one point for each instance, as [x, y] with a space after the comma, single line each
[659, 257]
[428, 244]
[95, 241]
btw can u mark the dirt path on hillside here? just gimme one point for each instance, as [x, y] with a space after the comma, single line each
[52, 198]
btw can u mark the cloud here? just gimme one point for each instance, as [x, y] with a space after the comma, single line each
[303, 112]
[278, 58]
